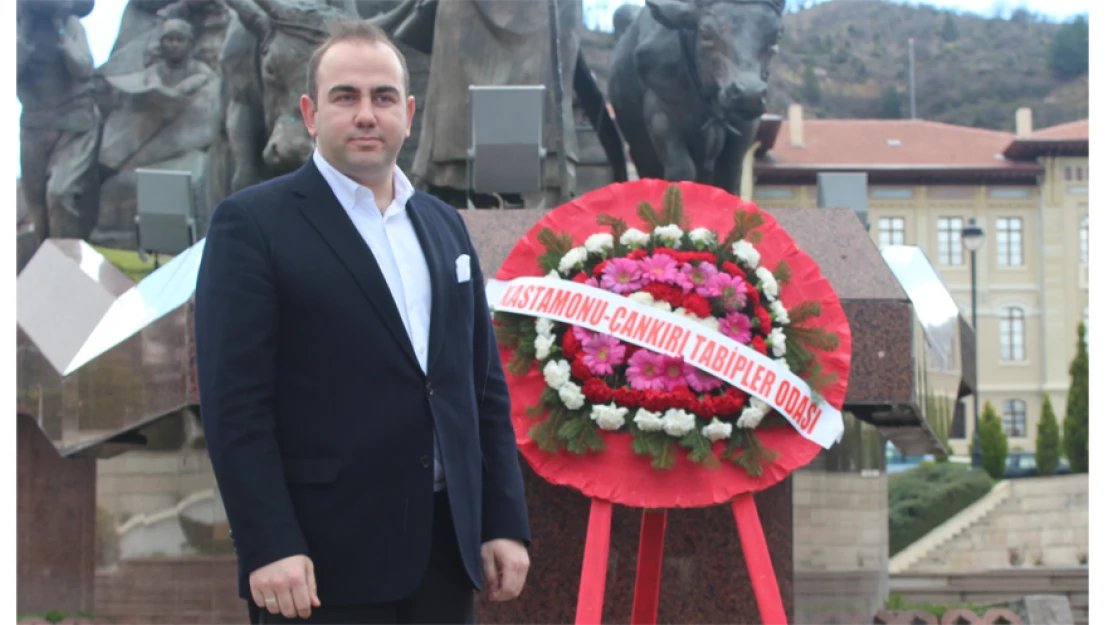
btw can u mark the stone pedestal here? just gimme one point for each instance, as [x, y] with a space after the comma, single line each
[55, 523]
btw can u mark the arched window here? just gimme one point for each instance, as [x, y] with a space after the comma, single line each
[1083, 234]
[1013, 418]
[1012, 329]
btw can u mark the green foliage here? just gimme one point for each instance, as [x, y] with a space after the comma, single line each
[948, 31]
[129, 262]
[1048, 439]
[993, 442]
[927, 495]
[890, 106]
[897, 604]
[1075, 418]
[811, 86]
[1068, 56]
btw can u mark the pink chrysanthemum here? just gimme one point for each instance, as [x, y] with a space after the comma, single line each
[732, 291]
[582, 334]
[644, 371]
[699, 278]
[737, 327]
[621, 275]
[701, 381]
[659, 268]
[602, 353]
[673, 371]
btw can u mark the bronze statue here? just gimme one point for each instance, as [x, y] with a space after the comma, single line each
[60, 123]
[689, 84]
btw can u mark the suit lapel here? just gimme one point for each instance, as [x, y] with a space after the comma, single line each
[427, 229]
[320, 207]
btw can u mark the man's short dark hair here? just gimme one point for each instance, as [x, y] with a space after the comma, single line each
[352, 30]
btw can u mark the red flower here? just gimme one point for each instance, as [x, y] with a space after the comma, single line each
[729, 404]
[580, 277]
[759, 345]
[733, 269]
[665, 293]
[667, 251]
[601, 267]
[579, 369]
[764, 319]
[628, 397]
[753, 293]
[694, 258]
[682, 397]
[597, 391]
[570, 343]
[636, 254]
[706, 408]
[697, 304]
[655, 401]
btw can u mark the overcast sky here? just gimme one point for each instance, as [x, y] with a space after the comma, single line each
[103, 23]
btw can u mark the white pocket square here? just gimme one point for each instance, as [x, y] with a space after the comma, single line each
[462, 268]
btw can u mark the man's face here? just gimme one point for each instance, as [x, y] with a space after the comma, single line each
[175, 46]
[362, 114]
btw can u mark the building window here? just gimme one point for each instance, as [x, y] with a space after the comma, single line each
[1067, 173]
[1079, 173]
[1013, 418]
[1012, 326]
[892, 231]
[950, 250]
[1009, 241]
[959, 424]
[1083, 234]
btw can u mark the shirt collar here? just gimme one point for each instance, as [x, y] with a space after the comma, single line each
[346, 189]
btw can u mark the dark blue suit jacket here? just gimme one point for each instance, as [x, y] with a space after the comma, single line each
[317, 415]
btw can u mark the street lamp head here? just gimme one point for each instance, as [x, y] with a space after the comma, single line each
[972, 237]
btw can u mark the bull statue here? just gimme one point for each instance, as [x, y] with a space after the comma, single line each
[689, 84]
[264, 64]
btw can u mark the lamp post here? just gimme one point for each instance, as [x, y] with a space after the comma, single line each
[972, 237]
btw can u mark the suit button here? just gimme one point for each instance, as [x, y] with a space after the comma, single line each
[431, 391]
[425, 461]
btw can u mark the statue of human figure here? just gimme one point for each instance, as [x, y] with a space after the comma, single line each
[155, 99]
[166, 117]
[59, 131]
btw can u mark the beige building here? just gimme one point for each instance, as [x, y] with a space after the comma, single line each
[926, 182]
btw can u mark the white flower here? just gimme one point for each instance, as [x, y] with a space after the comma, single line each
[599, 243]
[663, 305]
[608, 417]
[633, 237]
[544, 326]
[781, 362]
[543, 346]
[753, 414]
[767, 282]
[553, 275]
[669, 234]
[777, 339]
[572, 259]
[701, 235]
[717, 431]
[780, 313]
[556, 373]
[572, 396]
[746, 253]
[678, 423]
[648, 421]
[711, 322]
[642, 297]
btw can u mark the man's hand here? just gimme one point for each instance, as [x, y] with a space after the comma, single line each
[505, 565]
[287, 586]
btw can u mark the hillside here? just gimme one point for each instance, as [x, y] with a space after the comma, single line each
[978, 76]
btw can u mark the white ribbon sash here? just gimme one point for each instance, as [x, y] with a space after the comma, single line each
[674, 335]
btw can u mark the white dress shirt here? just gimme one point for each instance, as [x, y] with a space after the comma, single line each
[393, 242]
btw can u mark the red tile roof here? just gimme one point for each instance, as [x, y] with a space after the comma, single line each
[1071, 130]
[878, 143]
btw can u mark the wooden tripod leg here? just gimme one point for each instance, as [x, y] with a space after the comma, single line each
[595, 563]
[754, 544]
[649, 568]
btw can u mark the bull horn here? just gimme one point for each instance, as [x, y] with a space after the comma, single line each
[254, 19]
[390, 20]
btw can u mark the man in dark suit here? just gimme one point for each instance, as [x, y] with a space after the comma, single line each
[353, 399]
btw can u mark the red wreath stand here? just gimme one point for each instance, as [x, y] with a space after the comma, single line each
[618, 475]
